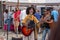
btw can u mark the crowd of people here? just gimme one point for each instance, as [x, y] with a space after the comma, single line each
[46, 22]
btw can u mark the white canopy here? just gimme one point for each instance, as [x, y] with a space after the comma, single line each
[35, 1]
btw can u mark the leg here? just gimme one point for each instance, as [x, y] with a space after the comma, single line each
[35, 34]
[25, 38]
[31, 37]
[44, 34]
[48, 34]
[15, 26]
[9, 25]
[5, 25]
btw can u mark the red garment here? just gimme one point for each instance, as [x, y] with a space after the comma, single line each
[17, 13]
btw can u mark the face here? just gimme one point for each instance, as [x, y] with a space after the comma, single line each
[48, 12]
[37, 11]
[31, 11]
[16, 9]
[45, 12]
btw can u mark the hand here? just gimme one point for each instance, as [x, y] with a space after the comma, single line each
[51, 21]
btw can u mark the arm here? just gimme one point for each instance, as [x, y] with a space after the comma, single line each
[37, 22]
[41, 20]
[49, 21]
[24, 21]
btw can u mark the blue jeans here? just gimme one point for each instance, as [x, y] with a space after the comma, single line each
[9, 23]
[6, 21]
[45, 31]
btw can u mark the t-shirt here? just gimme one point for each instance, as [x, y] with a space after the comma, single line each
[23, 14]
[55, 15]
[9, 15]
[38, 16]
[5, 16]
[45, 24]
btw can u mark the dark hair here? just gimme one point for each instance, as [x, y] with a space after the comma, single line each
[6, 10]
[32, 5]
[27, 10]
[48, 9]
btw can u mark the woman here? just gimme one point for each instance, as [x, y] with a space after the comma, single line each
[47, 19]
[30, 16]
[16, 19]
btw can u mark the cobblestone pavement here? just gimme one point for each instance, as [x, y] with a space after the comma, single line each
[11, 34]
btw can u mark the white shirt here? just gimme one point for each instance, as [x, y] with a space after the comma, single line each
[23, 14]
[5, 16]
[12, 15]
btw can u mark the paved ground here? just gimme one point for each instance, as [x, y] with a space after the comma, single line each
[11, 34]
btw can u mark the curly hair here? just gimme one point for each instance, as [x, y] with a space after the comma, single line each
[27, 10]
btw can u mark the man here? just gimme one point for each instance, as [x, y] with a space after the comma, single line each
[37, 14]
[47, 19]
[55, 14]
[9, 20]
[22, 16]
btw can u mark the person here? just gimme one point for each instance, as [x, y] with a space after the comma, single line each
[47, 19]
[37, 14]
[9, 20]
[55, 14]
[22, 16]
[11, 13]
[16, 19]
[5, 16]
[30, 11]
[55, 33]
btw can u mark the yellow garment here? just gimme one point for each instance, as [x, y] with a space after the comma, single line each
[30, 17]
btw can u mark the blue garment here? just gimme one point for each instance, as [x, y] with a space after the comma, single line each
[9, 23]
[9, 15]
[6, 21]
[9, 20]
[55, 15]
[47, 30]
[38, 16]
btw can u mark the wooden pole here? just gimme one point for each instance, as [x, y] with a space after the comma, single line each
[17, 9]
[18, 4]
